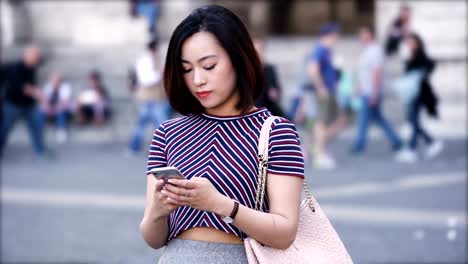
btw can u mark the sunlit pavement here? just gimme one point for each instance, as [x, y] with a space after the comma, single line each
[85, 205]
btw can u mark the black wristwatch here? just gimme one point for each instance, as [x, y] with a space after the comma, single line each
[229, 219]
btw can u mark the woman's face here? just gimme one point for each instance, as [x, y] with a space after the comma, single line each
[209, 74]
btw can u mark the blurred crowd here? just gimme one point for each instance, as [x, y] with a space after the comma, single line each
[328, 99]
[22, 98]
[330, 95]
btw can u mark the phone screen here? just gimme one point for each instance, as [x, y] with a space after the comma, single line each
[167, 173]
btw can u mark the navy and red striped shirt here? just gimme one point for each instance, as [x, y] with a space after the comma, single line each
[223, 150]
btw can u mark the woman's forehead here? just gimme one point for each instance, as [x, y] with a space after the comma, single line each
[200, 45]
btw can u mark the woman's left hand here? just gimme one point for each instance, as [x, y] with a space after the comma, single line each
[198, 193]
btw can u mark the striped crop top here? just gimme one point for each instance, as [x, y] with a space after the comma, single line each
[223, 150]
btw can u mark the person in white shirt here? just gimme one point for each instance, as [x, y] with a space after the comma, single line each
[369, 87]
[56, 104]
[153, 108]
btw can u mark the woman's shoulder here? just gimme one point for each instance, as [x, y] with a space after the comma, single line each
[282, 125]
[178, 122]
[282, 121]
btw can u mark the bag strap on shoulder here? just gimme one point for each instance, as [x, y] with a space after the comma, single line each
[263, 141]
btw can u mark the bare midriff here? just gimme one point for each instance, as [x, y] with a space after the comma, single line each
[208, 234]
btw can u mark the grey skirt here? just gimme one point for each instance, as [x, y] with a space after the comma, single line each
[189, 251]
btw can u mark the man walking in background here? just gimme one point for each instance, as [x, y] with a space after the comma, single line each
[324, 76]
[271, 93]
[369, 88]
[21, 98]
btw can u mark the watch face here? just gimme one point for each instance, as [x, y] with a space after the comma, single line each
[228, 220]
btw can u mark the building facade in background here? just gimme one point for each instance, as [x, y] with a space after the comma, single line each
[77, 21]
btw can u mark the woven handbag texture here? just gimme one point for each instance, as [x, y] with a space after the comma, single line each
[316, 240]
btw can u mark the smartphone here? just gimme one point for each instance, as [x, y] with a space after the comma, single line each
[167, 173]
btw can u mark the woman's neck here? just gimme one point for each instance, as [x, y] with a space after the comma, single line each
[228, 108]
[227, 111]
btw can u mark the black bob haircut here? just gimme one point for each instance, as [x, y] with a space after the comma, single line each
[234, 38]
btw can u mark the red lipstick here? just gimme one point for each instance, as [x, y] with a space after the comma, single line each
[204, 94]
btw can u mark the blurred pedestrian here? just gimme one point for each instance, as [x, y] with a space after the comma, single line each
[2, 89]
[424, 99]
[57, 104]
[370, 69]
[271, 93]
[93, 105]
[150, 9]
[398, 30]
[21, 99]
[331, 119]
[153, 108]
[213, 76]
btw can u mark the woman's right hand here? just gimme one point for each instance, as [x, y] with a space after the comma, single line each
[162, 205]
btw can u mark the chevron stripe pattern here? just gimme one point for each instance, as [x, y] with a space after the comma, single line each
[223, 150]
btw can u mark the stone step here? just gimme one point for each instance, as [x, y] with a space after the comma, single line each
[287, 53]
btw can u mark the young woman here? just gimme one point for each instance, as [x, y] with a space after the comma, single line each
[425, 98]
[213, 76]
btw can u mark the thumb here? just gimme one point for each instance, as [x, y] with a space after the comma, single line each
[159, 185]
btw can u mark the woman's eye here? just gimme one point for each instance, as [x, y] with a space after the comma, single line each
[186, 70]
[210, 67]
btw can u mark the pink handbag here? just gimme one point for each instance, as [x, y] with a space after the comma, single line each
[316, 239]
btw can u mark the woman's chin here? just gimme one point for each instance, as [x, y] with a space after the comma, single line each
[208, 105]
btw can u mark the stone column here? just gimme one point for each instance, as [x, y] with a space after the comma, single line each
[16, 23]
[6, 23]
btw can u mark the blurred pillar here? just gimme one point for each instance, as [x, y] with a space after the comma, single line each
[332, 10]
[6, 23]
[19, 23]
[365, 12]
[259, 17]
[280, 14]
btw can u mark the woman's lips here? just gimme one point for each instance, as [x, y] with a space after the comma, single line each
[203, 95]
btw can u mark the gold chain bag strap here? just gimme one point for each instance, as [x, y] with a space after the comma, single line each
[316, 239]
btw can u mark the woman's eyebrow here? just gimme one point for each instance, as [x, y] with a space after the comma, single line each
[201, 59]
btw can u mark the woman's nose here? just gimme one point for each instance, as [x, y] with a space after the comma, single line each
[198, 78]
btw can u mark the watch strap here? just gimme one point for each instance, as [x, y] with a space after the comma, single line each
[234, 210]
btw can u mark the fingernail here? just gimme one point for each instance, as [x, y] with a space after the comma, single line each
[171, 181]
[163, 192]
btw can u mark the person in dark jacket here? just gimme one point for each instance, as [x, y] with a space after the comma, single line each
[271, 93]
[425, 99]
[21, 96]
[398, 30]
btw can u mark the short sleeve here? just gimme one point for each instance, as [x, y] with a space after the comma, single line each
[316, 55]
[157, 154]
[284, 150]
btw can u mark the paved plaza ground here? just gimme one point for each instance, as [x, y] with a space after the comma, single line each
[85, 205]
